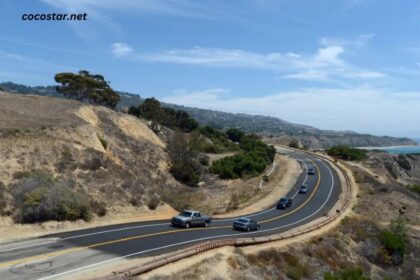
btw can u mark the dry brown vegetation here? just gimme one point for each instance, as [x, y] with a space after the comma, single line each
[112, 158]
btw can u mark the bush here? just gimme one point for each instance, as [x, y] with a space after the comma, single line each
[185, 173]
[153, 202]
[346, 274]
[204, 160]
[40, 198]
[185, 167]
[294, 272]
[393, 241]
[346, 153]
[235, 135]
[294, 144]
[220, 141]
[414, 188]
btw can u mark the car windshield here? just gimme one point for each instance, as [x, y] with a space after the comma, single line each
[243, 221]
[186, 214]
[283, 200]
[303, 187]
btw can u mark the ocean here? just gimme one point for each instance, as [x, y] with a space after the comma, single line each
[397, 149]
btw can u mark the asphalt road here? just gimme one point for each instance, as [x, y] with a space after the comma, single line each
[64, 255]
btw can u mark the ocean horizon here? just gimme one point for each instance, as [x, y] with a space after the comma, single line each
[397, 149]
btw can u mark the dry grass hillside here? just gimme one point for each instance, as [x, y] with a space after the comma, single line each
[111, 158]
[62, 160]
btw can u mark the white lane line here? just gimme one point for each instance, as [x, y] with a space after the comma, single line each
[133, 227]
[196, 240]
[81, 235]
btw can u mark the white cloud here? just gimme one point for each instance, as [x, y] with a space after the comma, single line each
[121, 49]
[322, 65]
[360, 109]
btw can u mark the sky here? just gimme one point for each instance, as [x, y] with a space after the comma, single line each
[338, 64]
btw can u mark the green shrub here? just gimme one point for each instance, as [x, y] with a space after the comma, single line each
[346, 153]
[294, 272]
[414, 188]
[346, 274]
[393, 242]
[234, 134]
[40, 198]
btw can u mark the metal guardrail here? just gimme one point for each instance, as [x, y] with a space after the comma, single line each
[237, 242]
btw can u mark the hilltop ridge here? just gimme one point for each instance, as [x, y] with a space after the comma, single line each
[276, 129]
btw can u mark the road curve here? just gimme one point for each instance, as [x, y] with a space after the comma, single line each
[64, 255]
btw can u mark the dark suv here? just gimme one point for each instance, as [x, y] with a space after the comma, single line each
[284, 203]
[311, 171]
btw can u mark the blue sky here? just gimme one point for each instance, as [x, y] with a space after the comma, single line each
[342, 65]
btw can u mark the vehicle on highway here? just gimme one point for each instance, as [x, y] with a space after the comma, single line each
[303, 189]
[311, 171]
[246, 224]
[284, 203]
[189, 218]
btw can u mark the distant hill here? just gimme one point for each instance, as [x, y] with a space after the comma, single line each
[276, 129]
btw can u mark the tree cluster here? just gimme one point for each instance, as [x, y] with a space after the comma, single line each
[151, 109]
[84, 86]
[346, 153]
[253, 159]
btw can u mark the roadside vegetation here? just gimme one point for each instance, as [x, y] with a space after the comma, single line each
[190, 143]
[251, 161]
[346, 153]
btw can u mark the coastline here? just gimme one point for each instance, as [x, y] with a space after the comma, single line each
[389, 147]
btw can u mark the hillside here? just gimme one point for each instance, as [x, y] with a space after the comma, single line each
[110, 161]
[63, 160]
[281, 130]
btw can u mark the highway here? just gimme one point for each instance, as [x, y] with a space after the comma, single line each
[65, 255]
